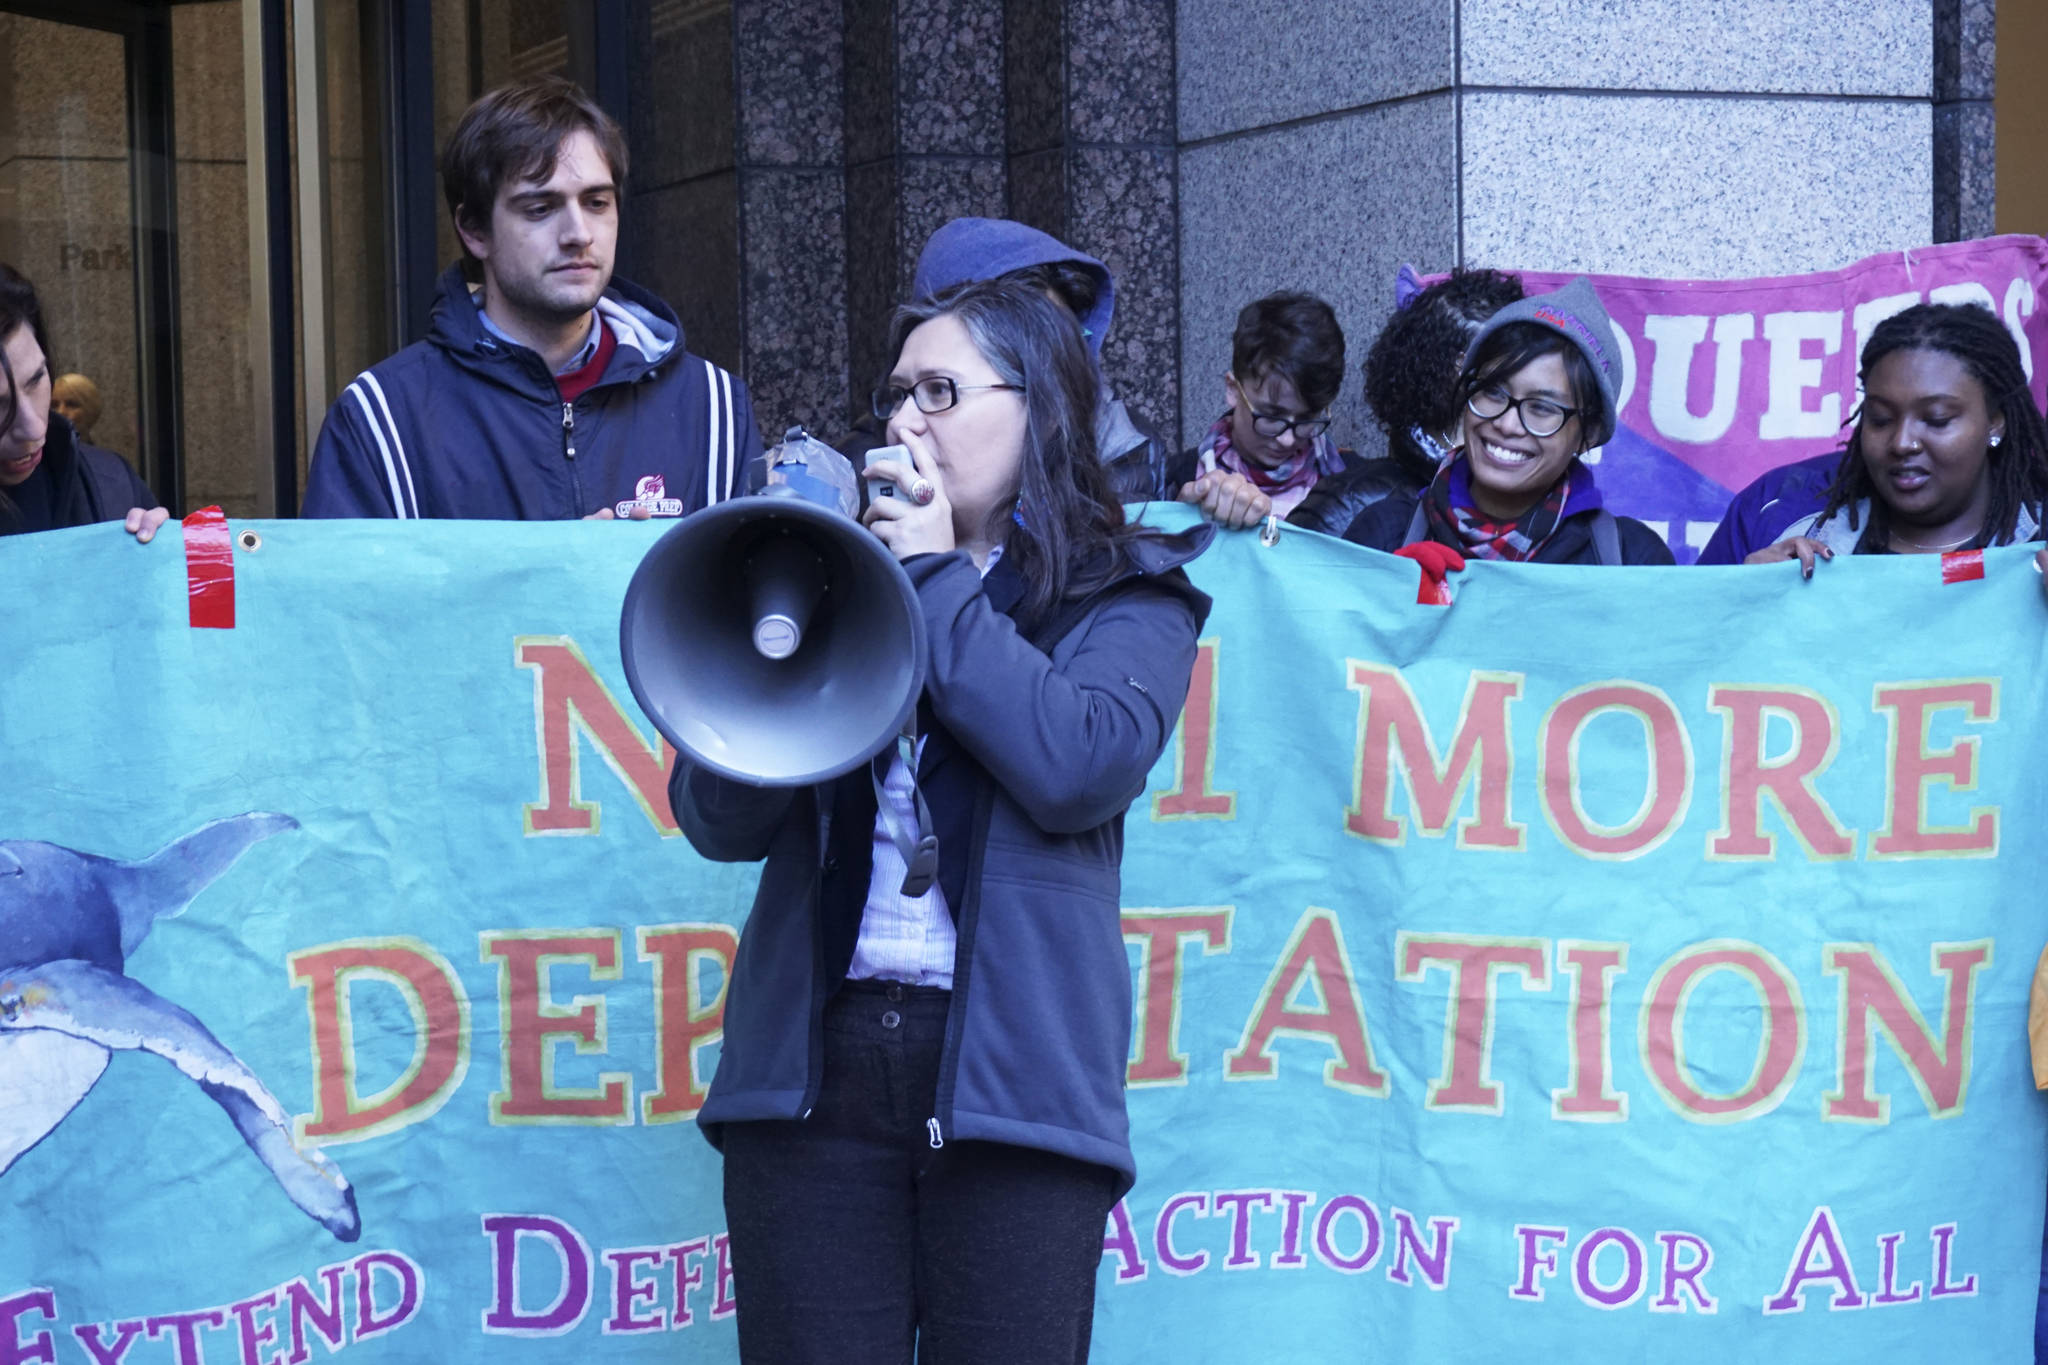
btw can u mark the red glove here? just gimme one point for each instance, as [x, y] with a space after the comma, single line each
[1435, 560]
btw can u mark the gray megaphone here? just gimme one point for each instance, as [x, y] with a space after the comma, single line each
[772, 638]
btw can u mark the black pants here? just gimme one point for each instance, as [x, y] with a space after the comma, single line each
[855, 1241]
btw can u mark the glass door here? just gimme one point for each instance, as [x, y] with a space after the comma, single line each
[85, 209]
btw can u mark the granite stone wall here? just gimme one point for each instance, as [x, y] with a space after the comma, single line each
[792, 156]
[1325, 142]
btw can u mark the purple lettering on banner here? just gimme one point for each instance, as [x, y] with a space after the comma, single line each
[629, 1289]
[1120, 1238]
[1241, 1256]
[1368, 1251]
[723, 1305]
[40, 1349]
[1686, 1273]
[185, 1328]
[1822, 1239]
[1888, 1273]
[1586, 1269]
[301, 1308]
[1536, 1261]
[1162, 1235]
[508, 1232]
[1944, 1234]
[689, 1275]
[101, 1353]
[1290, 1255]
[1434, 1263]
[369, 1322]
[255, 1337]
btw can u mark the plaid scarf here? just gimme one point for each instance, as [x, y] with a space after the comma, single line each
[1289, 481]
[1453, 519]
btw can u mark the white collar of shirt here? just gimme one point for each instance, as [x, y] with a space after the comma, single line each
[575, 362]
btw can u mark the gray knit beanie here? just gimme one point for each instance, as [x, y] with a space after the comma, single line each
[1574, 313]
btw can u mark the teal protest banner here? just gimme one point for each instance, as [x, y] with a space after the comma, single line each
[1614, 964]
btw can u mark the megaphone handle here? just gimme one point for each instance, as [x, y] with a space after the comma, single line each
[919, 847]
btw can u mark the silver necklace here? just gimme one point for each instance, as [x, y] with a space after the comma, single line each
[1898, 539]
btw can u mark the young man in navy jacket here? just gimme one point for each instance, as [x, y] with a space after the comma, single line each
[553, 390]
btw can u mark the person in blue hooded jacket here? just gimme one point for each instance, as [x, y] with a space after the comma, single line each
[552, 388]
[969, 249]
[920, 1093]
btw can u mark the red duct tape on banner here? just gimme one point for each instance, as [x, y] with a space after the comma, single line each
[1962, 566]
[210, 570]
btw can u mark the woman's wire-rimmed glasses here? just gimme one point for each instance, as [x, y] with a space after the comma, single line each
[935, 394]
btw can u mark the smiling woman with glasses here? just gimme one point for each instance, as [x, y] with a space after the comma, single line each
[1538, 391]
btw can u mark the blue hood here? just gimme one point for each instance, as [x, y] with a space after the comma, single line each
[984, 248]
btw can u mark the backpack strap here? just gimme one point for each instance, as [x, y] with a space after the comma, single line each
[1606, 537]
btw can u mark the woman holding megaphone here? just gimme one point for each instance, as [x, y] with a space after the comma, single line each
[920, 1094]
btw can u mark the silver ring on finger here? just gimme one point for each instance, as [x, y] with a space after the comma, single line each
[922, 491]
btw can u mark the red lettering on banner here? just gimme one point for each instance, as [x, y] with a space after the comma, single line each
[1391, 730]
[1475, 963]
[1193, 795]
[1590, 1098]
[1906, 832]
[1159, 934]
[530, 1023]
[1749, 777]
[568, 698]
[686, 1021]
[1779, 1050]
[1873, 997]
[439, 1008]
[1670, 786]
[1315, 957]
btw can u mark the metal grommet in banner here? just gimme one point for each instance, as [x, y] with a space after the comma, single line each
[249, 540]
[1269, 533]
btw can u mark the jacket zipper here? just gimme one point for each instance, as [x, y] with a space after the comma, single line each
[931, 1126]
[569, 451]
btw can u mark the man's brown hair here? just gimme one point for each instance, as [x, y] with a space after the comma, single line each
[513, 134]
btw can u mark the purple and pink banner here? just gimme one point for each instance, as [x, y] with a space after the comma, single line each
[1723, 380]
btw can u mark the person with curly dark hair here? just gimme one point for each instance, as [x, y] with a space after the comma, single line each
[1411, 380]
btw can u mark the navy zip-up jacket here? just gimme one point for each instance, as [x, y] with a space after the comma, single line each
[466, 424]
[1040, 737]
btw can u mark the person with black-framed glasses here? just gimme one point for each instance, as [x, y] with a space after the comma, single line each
[1272, 443]
[1539, 390]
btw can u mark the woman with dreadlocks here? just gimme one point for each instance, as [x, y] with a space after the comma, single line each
[1948, 452]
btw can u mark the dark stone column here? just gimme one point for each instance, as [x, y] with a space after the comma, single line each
[682, 220]
[925, 142]
[1092, 153]
[792, 203]
[1965, 133]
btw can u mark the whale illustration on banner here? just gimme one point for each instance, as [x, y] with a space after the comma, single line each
[69, 921]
